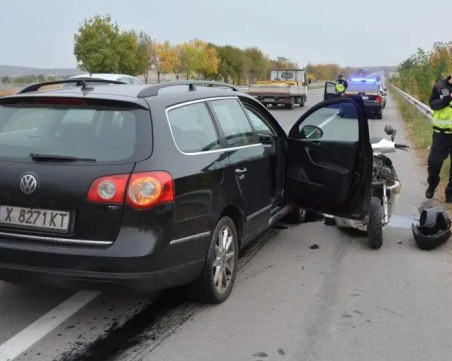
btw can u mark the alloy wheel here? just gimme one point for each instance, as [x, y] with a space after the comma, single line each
[224, 263]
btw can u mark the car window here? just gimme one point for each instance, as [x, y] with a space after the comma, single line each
[81, 132]
[135, 81]
[337, 122]
[126, 80]
[193, 128]
[258, 121]
[234, 122]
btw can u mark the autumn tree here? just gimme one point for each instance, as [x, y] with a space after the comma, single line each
[323, 71]
[156, 60]
[208, 67]
[198, 59]
[170, 59]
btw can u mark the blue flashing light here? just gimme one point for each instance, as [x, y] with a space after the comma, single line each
[364, 80]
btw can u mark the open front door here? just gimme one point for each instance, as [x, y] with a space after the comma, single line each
[330, 91]
[329, 160]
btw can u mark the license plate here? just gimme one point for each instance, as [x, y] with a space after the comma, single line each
[269, 99]
[365, 97]
[34, 218]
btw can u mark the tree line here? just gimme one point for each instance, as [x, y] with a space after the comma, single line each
[100, 47]
[417, 74]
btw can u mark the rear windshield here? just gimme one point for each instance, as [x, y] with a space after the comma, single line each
[362, 88]
[94, 133]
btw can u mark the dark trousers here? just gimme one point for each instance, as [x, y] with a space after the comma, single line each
[441, 148]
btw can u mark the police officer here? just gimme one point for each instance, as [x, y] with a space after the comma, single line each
[341, 84]
[441, 104]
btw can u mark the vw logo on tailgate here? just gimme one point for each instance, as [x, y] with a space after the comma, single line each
[28, 184]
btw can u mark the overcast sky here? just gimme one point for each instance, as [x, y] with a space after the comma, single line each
[40, 33]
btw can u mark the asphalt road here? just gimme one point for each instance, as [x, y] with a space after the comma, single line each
[338, 301]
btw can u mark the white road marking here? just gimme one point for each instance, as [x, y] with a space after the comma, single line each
[321, 125]
[44, 325]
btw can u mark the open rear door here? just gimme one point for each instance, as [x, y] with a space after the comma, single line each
[329, 160]
[330, 91]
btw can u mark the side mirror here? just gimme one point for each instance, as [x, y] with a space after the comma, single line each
[311, 132]
[390, 131]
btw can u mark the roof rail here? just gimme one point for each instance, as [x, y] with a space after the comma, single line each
[78, 82]
[153, 90]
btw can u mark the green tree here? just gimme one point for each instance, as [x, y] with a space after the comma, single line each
[231, 63]
[256, 66]
[100, 47]
[127, 47]
[144, 52]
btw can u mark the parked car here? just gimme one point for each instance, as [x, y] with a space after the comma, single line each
[371, 92]
[156, 186]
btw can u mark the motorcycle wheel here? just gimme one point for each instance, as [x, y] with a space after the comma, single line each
[375, 224]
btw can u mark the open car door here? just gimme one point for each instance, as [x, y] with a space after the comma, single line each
[330, 91]
[329, 159]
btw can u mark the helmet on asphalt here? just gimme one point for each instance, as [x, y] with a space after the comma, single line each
[433, 228]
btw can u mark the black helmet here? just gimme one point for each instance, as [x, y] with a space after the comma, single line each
[433, 228]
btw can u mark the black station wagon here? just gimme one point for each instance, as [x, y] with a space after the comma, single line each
[156, 186]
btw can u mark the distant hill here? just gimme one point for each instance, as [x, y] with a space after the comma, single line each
[12, 70]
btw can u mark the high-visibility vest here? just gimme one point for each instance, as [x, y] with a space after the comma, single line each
[442, 118]
[340, 87]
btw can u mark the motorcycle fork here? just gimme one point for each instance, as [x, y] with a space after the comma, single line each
[385, 219]
[380, 191]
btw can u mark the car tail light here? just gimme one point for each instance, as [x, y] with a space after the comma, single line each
[378, 99]
[108, 189]
[139, 190]
[148, 189]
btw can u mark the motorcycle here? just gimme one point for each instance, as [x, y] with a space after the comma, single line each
[386, 189]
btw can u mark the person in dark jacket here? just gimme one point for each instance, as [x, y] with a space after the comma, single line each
[341, 84]
[441, 104]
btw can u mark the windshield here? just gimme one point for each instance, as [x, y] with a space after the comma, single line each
[92, 133]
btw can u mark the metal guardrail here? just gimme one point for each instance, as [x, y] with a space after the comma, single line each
[424, 109]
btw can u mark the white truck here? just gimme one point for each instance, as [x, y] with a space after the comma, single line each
[285, 87]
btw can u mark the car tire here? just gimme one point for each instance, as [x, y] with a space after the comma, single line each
[329, 220]
[301, 102]
[380, 115]
[290, 105]
[296, 216]
[220, 267]
[375, 225]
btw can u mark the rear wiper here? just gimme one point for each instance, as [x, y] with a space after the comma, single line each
[56, 157]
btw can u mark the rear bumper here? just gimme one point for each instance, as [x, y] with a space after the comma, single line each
[78, 279]
[136, 260]
[373, 108]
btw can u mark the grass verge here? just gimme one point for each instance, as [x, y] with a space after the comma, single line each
[419, 131]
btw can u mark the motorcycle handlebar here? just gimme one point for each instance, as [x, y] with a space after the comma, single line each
[401, 146]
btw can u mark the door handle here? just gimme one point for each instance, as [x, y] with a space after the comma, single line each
[240, 170]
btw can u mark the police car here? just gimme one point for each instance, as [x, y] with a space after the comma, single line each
[370, 90]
